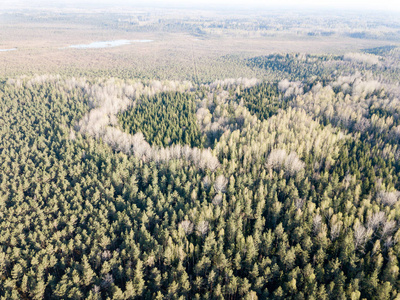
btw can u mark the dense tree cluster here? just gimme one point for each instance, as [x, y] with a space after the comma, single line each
[297, 199]
[263, 101]
[296, 66]
[165, 119]
[326, 68]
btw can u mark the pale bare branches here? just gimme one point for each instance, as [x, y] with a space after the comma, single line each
[335, 231]
[317, 223]
[376, 225]
[206, 182]
[388, 198]
[293, 164]
[299, 203]
[361, 235]
[388, 228]
[202, 227]
[335, 227]
[111, 97]
[278, 159]
[220, 183]
[362, 58]
[375, 220]
[365, 87]
[229, 82]
[187, 226]
[217, 201]
[290, 88]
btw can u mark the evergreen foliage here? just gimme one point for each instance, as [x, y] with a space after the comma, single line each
[303, 204]
[263, 100]
[165, 119]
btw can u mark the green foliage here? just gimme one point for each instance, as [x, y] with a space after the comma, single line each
[304, 204]
[165, 119]
[263, 100]
[294, 66]
[383, 50]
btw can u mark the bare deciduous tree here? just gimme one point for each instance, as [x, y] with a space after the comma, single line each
[276, 158]
[206, 181]
[187, 226]
[347, 181]
[293, 164]
[108, 99]
[290, 88]
[317, 223]
[335, 230]
[375, 220]
[389, 242]
[388, 227]
[299, 202]
[388, 198]
[217, 199]
[220, 183]
[106, 255]
[96, 289]
[361, 235]
[362, 58]
[202, 227]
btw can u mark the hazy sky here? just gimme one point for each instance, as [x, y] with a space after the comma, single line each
[353, 4]
[386, 5]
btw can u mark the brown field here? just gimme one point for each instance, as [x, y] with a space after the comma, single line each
[41, 48]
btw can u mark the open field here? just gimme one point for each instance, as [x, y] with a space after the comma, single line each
[42, 40]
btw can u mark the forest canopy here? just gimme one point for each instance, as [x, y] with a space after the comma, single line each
[281, 188]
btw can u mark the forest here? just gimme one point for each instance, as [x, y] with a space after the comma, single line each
[249, 155]
[233, 189]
